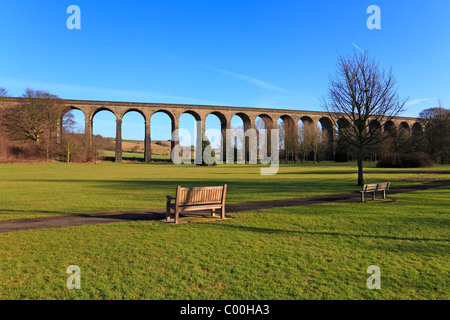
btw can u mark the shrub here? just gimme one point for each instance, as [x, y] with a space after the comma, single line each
[405, 160]
[20, 151]
[341, 157]
[207, 144]
[74, 149]
[135, 149]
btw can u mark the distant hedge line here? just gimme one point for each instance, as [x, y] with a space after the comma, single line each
[405, 160]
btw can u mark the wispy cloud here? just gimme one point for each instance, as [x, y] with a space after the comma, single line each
[248, 79]
[68, 91]
[417, 101]
[251, 80]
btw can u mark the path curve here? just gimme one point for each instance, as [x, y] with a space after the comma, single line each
[79, 220]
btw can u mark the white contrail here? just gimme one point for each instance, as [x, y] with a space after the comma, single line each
[358, 47]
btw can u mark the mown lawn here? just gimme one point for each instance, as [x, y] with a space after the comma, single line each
[311, 252]
[58, 189]
[132, 155]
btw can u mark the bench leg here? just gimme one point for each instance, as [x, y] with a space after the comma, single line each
[213, 212]
[167, 213]
[177, 217]
[223, 213]
[362, 196]
[384, 194]
[373, 195]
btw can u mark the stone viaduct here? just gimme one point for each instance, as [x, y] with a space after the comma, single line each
[200, 112]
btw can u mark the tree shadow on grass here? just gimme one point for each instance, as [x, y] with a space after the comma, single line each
[237, 187]
[323, 233]
[366, 171]
[238, 190]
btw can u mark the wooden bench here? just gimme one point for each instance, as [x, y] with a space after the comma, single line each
[196, 199]
[374, 188]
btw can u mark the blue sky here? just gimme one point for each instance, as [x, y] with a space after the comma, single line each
[275, 54]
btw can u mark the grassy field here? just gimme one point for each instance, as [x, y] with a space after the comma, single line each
[56, 189]
[160, 149]
[316, 252]
[132, 155]
[309, 252]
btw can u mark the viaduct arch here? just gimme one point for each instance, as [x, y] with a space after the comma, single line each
[200, 113]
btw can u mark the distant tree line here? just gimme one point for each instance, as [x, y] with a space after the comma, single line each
[428, 144]
[435, 140]
[34, 130]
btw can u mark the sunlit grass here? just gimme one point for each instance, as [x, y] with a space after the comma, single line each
[56, 189]
[310, 252]
[132, 155]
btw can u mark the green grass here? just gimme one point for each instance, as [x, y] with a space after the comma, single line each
[59, 189]
[109, 153]
[132, 155]
[311, 252]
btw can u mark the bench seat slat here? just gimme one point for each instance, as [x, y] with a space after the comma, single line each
[203, 204]
[199, 208]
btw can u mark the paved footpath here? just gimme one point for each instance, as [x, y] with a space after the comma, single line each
[79, 220]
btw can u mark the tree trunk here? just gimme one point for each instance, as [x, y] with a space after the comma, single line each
[360, 167]
[47, 151]
[48, 143]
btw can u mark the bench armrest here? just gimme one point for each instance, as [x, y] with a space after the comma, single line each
[169, 200]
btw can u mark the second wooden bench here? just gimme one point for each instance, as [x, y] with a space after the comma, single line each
[374, 188]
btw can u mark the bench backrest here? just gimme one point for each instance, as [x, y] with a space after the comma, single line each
[376, 186]
[370, 187]
[201, 195]
[383, 186]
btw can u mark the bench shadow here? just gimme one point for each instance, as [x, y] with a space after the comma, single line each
[131, 216]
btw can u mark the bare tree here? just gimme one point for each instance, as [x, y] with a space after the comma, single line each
[290, 140]
[316, 142]
[35, 118]
[282, 135]
[3, 93]
[69, 146]
[361, 92]
[69, 125]
[259, 126]
[305, 132]
[311, 141]
[436, 123]
[287, 138]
